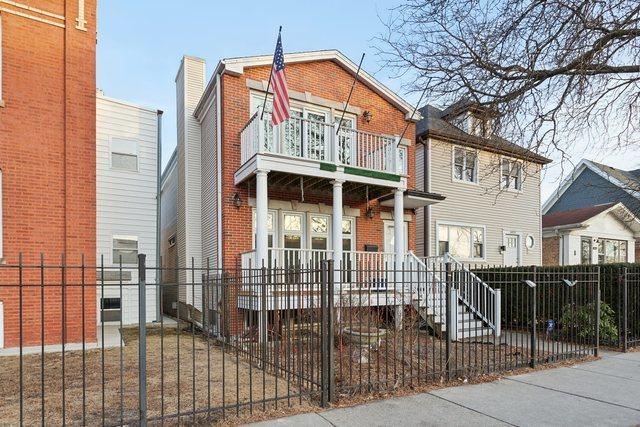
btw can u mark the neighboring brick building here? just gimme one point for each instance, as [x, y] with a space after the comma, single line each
[328, 196]
[47, 159]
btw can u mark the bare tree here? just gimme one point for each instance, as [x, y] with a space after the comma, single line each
[554, 70]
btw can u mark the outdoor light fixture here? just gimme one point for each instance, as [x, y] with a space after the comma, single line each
[367, 116]
[370, 212]
[237, 201]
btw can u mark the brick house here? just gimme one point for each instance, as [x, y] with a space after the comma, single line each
[47, 164]
[247, 194]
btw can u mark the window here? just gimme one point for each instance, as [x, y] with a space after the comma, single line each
[465, 164]
[348, 233]
[466, 242]
[585, 250]
[124, 154]
[319, 232]
[402, 161]
[292, 230]
[610, 251]
[346, 141]
[125, 247]
[110, 309]
[511, 174]
[271, 221]
[172, 240]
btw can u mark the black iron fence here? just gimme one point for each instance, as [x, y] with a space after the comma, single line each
[216, 343]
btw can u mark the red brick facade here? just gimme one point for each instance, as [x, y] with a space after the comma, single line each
[47, 157]
[551, 250]
[324, 79]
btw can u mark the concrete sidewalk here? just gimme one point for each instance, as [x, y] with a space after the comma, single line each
[604, 392]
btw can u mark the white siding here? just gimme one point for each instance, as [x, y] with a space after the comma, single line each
[209, 186]
[189, 88]
[126, 200]
[486, 204]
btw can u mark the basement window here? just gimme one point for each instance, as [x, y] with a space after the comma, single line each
[110, 309]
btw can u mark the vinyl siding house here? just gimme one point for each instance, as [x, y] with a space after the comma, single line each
[592, 217]
[127, 141]
[491, 214]
[599, 234]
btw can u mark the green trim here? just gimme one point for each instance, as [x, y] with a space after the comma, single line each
[328, 167]
[371, 174]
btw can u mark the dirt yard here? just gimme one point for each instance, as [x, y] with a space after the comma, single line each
[229, 383]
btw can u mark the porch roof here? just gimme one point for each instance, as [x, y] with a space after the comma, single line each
[413, 199]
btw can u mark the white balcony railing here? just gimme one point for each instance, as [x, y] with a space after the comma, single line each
[315, 140]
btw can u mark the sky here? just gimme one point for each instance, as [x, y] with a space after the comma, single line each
[141, 43]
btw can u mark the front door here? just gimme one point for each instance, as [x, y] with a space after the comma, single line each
[512, 249]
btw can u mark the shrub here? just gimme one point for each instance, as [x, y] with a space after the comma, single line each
[577, 322]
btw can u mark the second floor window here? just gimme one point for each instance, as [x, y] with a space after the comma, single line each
[124, 154]
[465, 164]
[511, 171]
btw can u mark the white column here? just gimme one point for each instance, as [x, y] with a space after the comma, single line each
[262, 242]
[398, 225]
[336, 229]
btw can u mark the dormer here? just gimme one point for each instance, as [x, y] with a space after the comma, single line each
[470, 117]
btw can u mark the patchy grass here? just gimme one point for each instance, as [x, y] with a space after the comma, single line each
[221, 381]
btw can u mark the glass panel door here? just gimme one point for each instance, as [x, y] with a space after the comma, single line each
[346, 142]
[316, 136]
[292, 135]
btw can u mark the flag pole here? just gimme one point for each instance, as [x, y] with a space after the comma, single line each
[355, 79]
[411, 117]
[264, 104]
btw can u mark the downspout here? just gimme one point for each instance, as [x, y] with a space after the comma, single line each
[219, 166]
[158, 216]
[427, 188]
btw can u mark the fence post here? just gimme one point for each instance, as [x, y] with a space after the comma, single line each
[330, 329]
[597, 325]
[449, 333]
[625, 310]
[323, 334]
[534, 339]
[142, 339]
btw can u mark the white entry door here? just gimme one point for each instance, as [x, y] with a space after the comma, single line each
[512, 249]
[389, 237]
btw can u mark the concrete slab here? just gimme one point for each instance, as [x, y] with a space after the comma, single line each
[417, 410]
[621, 367]
[606, 388]
[528, 405]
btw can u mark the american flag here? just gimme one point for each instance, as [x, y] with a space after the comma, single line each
[281, 108]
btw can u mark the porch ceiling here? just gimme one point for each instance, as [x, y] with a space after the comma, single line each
[321, 187]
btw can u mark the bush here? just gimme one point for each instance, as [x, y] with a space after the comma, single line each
[577, 322]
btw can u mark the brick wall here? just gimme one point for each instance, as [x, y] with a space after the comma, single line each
[325, 79]
[551, 250]
[47, 156]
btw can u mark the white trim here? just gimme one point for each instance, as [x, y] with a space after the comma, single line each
[520, 244]
[219, 162]
[566, 183]
[34, 10]
[476, 182]
[463, 224]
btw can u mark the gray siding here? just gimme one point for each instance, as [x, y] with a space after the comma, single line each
[209, 186]
[189, 87]
[486, 204]
[168, 227]
[590, 189]
[126, 200]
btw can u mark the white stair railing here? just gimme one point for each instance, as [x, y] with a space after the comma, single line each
[481, 299]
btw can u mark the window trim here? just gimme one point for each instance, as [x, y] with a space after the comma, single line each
[520, 175]
[124, 237]
[464, 224]
[112, 151]
[476, 180]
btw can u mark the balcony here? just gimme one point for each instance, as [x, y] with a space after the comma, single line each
[307, 147]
